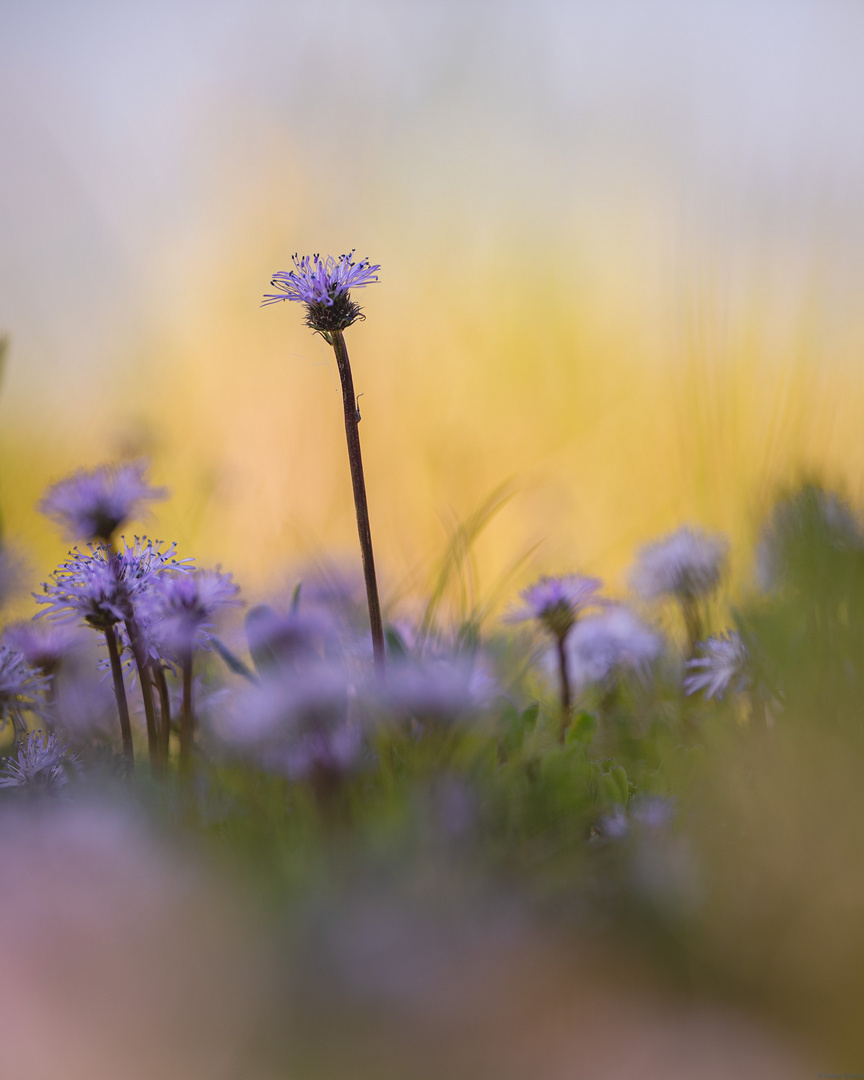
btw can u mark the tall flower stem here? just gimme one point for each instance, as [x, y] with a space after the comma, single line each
[165, 710]
[566, 698]
[187, 717]
[692, 623]
[352, 433]
[120, 695]
[144, 678]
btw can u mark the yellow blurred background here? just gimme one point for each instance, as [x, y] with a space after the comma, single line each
[621, 251]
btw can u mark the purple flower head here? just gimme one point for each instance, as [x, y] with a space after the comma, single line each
[41, 763]
[102, 588]
[278, 641]
[21, 688]
[86, 587]
[615, 640]
[725, 663]
[44, 645]
[687, 564]
[93, 505]
[297, 724]
[179, 610]
[439, 689]
[323, 286]
[557, 602]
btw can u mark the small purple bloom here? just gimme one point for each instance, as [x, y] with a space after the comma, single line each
[687, 564]
[41, 763]
[102, 588]
[86, 587]
[323, 286]
[179, 610]
[284, 640]
[615, 640]
[724, 664]
[557, 602]
[21, 688]
[435, 690]
[297, 724]
[44, 645]
[93, 505]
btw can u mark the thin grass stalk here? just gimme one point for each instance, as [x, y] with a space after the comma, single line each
[352, 433]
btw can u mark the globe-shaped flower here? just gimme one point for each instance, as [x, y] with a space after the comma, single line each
[557, 602]
[177, 613]
[22, 688]
[612, 642]
[324, 285]
[687, 564]
[93, 505]
[41, 763]
[724, 663]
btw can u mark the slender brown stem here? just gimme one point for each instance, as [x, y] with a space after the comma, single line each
[352, 433]
[120, 695]
[565, 688]
[187, 717]
[165, 710]
[143, 665]
[692, 623]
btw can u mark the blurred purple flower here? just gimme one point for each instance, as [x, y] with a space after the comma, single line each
[277, 640]
[323, 286]
[724, 664]
[437, 689]
[686, 564]
[295, 724]
[604, 645]
[44, 645]
[557, 602]
[644, 814]
[93, 505]
[21, 688]
[42, 763]
[178, 611]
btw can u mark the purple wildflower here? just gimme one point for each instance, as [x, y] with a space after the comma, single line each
[277, 640]
[435, 690]
[41, 763]
[86, 587]
[297, 724]
[323, 286]
[687, 564]
[21, 687]
[102, 588]
[179, 610]
[613, 641]
[724, 664]
[44, 645]
[93, 505]
[557, 602]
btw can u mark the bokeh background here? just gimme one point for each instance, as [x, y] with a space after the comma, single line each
[622, 248]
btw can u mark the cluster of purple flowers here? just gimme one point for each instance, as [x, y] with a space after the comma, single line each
[153, 609]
